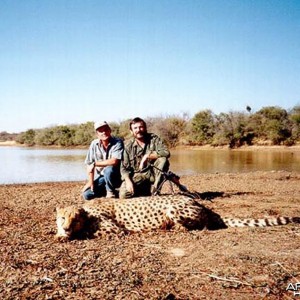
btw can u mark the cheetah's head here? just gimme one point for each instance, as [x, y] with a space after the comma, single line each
[70, 221]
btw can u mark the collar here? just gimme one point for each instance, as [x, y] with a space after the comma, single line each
[100, 143]
[146, 140]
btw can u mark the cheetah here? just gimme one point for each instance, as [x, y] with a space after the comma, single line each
[178, 212]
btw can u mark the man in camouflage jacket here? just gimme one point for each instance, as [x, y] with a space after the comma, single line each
[140, 154]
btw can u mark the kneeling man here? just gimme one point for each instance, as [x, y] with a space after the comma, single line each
[103, 164]
[141, 153]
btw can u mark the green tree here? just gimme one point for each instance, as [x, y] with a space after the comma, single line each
[232, 130]
[84, 134]
[272, 123]
[294, 117]
[46, 137]
[124, 130]
[202, 128]
[115, 128]
[27, 137]
[65, 136]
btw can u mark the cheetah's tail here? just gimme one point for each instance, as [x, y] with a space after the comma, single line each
[276, 221]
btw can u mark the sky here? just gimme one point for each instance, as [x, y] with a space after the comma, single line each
[72, 61]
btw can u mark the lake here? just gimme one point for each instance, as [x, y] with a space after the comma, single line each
[27, 165]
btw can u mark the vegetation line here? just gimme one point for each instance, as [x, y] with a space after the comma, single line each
[271, 125]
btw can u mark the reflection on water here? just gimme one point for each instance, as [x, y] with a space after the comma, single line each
[211, 161]
[22, 165]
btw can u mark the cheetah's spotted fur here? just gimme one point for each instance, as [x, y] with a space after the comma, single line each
[98, 217]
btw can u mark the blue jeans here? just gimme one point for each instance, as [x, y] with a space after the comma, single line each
[108, 182]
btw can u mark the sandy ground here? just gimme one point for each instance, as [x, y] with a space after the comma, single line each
[235, 263]
[9, 143]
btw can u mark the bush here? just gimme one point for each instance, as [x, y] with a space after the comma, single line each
[27, 137]
[269, 125]
[202, 128]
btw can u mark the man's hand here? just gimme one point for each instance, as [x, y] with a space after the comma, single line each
[129, 186]
[87, 186]
[144, 161]
[90, 183]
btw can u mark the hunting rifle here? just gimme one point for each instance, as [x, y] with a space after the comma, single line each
[172, 178]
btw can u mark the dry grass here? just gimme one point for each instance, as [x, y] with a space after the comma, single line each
[226, 264]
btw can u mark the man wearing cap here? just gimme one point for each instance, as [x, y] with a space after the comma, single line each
[103, 164]
[144, 157]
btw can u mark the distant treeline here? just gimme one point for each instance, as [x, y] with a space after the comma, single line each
[5, 136]
[269, 126]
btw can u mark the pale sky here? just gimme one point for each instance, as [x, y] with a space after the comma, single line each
[66, 62]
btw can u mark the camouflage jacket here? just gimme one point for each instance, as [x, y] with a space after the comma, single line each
[133, 153]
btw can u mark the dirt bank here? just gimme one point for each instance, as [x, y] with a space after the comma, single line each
[246, 263]
[9, 143]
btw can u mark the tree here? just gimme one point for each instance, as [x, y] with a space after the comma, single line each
[202, 128]
[273, 124]
[232, 130]
[294, 117]
[27, 137]
[65, 136]
[171, 128]
[124, 130]
[46, 137]
[84, 134]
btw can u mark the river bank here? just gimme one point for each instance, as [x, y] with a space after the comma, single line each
[10, 143]
[254, 148]
[232, 263]
[295, 148]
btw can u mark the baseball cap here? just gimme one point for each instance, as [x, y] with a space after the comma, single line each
[100, 124]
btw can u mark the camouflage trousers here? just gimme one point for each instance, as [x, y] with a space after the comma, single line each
[142, 181]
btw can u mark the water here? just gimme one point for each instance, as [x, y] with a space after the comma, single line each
[25, 165]
[212, 161]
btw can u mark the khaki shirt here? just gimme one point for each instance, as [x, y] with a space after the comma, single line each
[133, 153]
